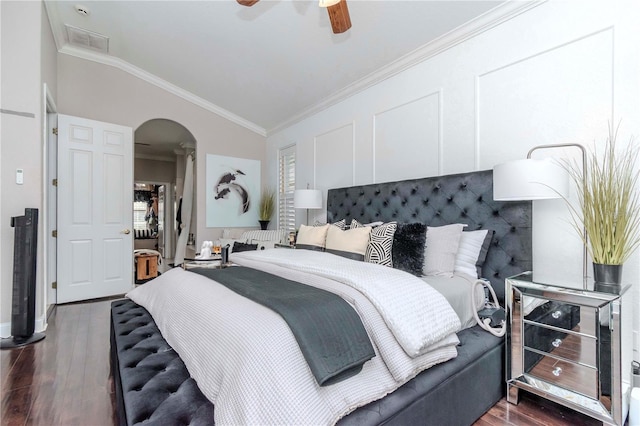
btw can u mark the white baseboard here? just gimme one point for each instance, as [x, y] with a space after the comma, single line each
[40, 326]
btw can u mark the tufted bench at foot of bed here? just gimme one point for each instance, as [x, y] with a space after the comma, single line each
[152, 383]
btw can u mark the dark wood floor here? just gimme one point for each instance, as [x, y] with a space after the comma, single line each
[64, 379]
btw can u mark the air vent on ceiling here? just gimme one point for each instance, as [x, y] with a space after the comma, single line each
[88, 39]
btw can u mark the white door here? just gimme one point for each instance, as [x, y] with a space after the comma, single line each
[95, 177]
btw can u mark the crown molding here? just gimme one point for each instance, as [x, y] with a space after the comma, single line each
[490, 19]
[56, 30]
[157, 81]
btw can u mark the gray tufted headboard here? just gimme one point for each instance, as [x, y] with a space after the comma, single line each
[441, 200]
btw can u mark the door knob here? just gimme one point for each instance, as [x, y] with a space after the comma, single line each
[125, 231]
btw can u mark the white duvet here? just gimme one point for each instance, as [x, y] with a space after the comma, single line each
[247, 362]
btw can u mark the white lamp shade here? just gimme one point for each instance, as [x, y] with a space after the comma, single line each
[529, 179]
[307, 199]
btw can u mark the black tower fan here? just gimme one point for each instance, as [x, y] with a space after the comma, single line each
[23, 306]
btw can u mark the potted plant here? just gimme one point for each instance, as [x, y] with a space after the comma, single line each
[266, 207]
[608, 207]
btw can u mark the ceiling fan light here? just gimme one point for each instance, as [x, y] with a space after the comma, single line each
[327, 3]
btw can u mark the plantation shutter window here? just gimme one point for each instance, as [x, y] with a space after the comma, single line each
[286, 187]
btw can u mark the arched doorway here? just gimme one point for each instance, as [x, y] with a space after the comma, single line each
[160, 150]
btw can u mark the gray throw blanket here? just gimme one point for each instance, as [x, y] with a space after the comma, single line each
[328, 330]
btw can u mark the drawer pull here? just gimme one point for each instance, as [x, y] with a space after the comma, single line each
[556, 314]
[557, 371]
[556, 343]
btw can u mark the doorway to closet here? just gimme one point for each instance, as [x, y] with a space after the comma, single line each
[160, 151]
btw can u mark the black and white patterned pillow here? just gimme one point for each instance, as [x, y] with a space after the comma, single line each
[355, 224]
[342, 224]
[380, 244]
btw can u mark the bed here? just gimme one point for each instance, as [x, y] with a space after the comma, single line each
[154, 385]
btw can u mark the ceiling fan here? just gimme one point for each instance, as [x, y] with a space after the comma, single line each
[337, 9]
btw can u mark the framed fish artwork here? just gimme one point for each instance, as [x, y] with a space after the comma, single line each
[232, 192]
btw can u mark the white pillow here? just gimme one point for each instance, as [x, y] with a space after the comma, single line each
[441, 249]
[468, 252]
[312, 237]
[351, 243]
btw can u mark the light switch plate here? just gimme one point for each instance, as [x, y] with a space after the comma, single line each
[19, 176]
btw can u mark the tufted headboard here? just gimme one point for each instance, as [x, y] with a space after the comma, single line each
[441, 200]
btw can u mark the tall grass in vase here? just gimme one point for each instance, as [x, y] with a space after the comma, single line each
[266, 207]
[608, 206]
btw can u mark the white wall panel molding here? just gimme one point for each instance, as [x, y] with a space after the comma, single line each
[546, 76]
[578, 67]
[159, 82]
[416, 126]
[334, 158]
[505, 12]
[558, 95]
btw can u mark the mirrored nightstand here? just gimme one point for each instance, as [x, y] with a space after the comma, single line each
[570, 345]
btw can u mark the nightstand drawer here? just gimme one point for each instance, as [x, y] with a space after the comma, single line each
[573, 347]
[557, 314]
[568, 375]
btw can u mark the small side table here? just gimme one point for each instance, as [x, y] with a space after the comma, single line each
[146, 267]
[570, 345]
[213, 262]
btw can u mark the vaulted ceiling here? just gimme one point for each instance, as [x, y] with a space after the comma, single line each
[267, 65]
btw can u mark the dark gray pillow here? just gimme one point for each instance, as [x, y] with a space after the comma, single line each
[408, 247]
[238, 247]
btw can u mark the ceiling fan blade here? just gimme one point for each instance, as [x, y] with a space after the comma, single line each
[339, 17]
[247, 3]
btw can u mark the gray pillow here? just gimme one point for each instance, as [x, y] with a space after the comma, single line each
[441, 249]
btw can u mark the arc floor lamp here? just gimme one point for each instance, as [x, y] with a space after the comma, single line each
[534, 179]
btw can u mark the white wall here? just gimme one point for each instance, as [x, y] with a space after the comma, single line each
[101, 92]
[28, 61]
[558, 73]
[146, 170]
